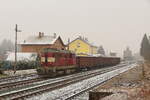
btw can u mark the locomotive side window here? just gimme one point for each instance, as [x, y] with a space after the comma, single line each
[42, 59]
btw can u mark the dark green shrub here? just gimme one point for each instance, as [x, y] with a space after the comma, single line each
[21, 65]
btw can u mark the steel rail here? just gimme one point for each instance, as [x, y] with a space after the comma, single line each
[23, 93]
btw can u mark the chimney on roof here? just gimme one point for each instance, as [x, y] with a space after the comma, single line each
[55, 35]
[80, 37]
[68, 40]
[86, 39]
[40, 34]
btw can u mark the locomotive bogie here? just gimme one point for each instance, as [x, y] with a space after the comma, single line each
[55, 71]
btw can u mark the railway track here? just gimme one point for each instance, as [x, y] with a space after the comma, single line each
[86, 89]
[12, 85]
[52, 84]
[16, 84]
[6, 80]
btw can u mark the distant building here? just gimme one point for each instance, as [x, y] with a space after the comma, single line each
[37, 43]
[81, 46]
[113, 54]
[127, 54]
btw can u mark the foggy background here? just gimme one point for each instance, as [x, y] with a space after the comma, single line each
[115, 24]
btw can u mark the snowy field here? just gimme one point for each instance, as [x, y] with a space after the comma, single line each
[21, 73]
[66, 92]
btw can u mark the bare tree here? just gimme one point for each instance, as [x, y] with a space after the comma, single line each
[6, 46]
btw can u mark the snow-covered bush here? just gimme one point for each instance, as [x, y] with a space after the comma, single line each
[21, 65]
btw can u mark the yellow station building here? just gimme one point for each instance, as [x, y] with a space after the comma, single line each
[82, 47]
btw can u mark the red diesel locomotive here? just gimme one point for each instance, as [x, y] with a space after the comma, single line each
[57, 62]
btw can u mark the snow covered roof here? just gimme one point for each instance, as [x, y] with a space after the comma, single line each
[91, 55]
[85, 41]
[38, 40]
[21, 56]
[98, 55]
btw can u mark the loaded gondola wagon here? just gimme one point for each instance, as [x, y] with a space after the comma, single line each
[96, 62]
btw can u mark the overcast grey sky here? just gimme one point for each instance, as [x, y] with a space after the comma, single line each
[114, 24]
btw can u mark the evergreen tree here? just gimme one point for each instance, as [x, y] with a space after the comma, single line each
[145, 48]
[101, 50]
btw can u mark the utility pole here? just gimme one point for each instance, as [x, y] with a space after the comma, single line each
[68, 42]
[16, 30]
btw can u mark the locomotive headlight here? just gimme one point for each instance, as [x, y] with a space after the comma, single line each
[51, 59]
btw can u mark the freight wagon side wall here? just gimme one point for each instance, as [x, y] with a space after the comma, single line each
[87, 62]
[84, 62]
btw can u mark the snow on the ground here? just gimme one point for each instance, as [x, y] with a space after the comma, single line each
[49, 81]
[21, 78]
[65, 92]
[120, 96]
[83, 96]
[20, 72]
[21, 56]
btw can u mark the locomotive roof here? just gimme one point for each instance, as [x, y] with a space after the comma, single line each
[55, 50]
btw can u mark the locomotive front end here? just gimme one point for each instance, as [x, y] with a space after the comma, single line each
[56, 62]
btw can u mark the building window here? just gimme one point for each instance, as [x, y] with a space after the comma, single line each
[78, 45]
[75, 50]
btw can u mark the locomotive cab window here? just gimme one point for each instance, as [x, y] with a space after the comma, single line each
[46, 58]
